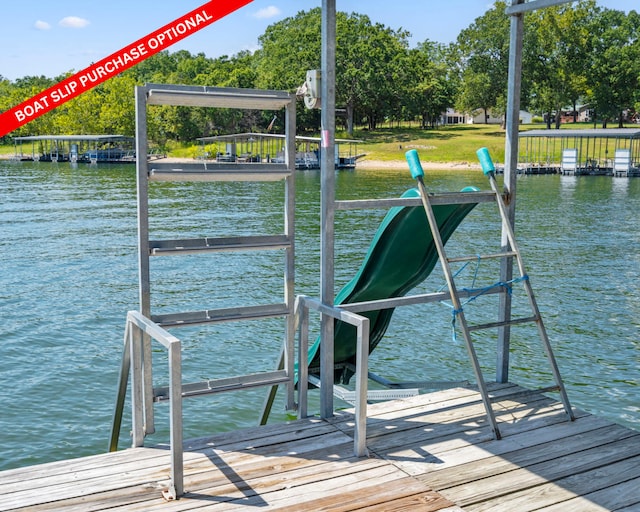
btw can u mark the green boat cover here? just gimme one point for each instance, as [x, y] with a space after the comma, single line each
[401, 256]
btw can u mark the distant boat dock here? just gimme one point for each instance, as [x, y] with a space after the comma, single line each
[90, 149]
[607, 152]
[268, 148]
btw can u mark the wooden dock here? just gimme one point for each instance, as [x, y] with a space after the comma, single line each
[430, 452]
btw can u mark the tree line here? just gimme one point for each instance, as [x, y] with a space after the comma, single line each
[574, 54]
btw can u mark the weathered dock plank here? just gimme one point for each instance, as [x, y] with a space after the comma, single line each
[553, 469]
[432, 452]
[592, 487]
[472, 466]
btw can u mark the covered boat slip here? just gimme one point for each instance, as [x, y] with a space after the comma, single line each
[75, 148]
[432, 452]
[269, 148]
[613, 152]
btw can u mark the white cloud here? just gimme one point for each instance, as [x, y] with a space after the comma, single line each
[42, 25]
[268, 12]
[73, 22]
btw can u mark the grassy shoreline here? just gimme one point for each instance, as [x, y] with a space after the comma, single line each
[454, 145]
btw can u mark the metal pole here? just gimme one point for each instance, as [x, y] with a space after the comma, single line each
[143, 249]
[142, 168]
[510, 172]
[289, 275]
[302, 312]
[122, 390]
[362, 365]
[137, 400]
[327, 195]
[175, 414]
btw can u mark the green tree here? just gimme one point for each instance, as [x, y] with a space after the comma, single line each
[432, 82]
[155, 69]
[556, 60]
[118, 92]
[370, 68]
[25, 88]
[615, 63]
[477, 93]
[237, 71]
[81, 115]
[289, 48]
[484, 53]
[369, 61]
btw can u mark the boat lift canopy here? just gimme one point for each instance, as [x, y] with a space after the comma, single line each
[542, 150]
[76, 147]
[268, 147]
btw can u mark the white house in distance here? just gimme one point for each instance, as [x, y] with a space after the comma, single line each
[451, 116]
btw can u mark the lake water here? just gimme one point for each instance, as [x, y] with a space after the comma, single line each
[69, 275]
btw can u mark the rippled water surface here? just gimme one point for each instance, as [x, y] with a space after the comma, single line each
[69, 275]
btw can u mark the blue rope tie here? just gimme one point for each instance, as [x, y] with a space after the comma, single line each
[459, 271]
[507, 285]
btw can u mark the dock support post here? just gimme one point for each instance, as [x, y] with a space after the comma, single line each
[142, 168]
[327, 195]
[510, 173]
[175, 413]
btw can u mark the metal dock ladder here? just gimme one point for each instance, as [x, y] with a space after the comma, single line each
[511, 251]
[143, 327]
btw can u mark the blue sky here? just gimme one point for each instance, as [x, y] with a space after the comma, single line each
[45, 37]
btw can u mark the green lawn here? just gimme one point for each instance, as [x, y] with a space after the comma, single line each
[7, 149]
[446, 144]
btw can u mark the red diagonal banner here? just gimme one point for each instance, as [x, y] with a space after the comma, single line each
[116, 63]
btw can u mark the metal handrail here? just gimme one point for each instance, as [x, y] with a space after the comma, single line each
[361, 323]
[137, 328]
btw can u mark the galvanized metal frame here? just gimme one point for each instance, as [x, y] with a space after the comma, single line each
[138, 329]
[144, 290]
[361, 324]
[143, 327]
[348, 313]
[327, 199]
[163, 94]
